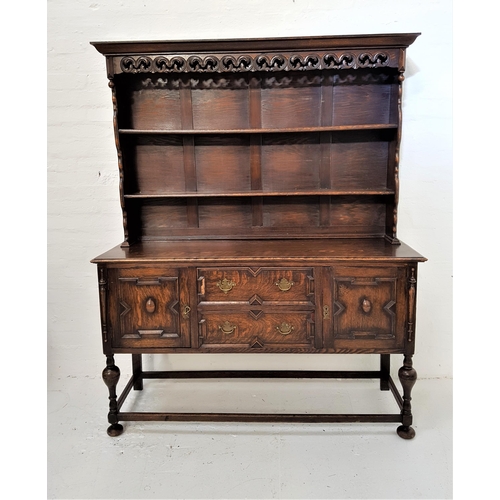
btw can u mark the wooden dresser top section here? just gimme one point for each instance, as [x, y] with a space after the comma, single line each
[259, 139]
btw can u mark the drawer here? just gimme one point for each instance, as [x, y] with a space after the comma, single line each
[369, 308]
[255, 286]
[255, 330]
[150, 308]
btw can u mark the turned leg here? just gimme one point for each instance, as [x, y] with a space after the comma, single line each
[111, 375]
[137, 371]
[385, 371]
[408, 377]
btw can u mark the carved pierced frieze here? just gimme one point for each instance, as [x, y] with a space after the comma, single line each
[218, 82]
[294, 80]
[363, 77]
[377, 60]
[265, 81]
[157, 82]
[252, 63]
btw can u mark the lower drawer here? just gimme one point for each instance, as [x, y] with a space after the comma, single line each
[256, 330]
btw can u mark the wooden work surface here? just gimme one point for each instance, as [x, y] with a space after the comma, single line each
[269, 250]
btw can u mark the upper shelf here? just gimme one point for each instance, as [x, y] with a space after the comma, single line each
[332, 128]
[257, 193]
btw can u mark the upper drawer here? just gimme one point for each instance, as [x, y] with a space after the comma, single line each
[256, 286]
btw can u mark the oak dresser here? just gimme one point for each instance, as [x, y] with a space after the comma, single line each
[259, 186]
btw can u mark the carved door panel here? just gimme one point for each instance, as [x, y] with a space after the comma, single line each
[369, 308]
[150, 308]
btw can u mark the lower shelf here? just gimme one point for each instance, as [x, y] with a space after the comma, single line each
[259, 417]
[136, 381]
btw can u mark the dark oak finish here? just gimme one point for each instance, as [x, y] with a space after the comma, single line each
[259, 185]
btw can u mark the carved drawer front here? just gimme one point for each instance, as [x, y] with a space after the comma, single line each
[369, 307]
[256, 286]
[256, 329]
[150, 308]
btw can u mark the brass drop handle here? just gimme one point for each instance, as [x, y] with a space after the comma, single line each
[226, 285]
[227, 328]
[285, 328]
[185, 311]
[284, 285]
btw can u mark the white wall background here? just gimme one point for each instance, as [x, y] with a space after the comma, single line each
[84, 216]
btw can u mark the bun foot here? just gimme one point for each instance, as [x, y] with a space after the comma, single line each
[115, 430]
[406, 432]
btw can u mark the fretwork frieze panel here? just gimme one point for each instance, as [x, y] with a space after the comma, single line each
[254, 63]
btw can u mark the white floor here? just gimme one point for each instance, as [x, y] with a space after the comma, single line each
[230, 460]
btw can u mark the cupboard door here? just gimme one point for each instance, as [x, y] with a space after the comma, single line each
[369, 307]
[150, 308]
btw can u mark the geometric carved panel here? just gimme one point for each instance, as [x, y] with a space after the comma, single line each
[365, 308]
[149, 307]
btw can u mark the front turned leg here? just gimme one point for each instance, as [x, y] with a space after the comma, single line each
[111, 375]
[408, 377]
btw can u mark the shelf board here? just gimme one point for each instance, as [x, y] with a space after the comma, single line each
[332, 128]
[238, 194]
